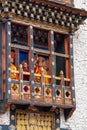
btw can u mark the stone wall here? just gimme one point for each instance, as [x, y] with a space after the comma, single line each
[79, 119]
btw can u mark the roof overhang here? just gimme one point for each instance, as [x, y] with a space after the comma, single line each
[44, 12]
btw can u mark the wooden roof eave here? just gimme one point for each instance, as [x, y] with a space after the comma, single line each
[77, 16]
[26, 22]
[61, 5]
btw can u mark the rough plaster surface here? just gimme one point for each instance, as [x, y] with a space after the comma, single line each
[79, 119]
[5, 118]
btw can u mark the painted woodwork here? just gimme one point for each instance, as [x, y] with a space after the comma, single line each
[1, 91]
[64, 16]
[43, 30]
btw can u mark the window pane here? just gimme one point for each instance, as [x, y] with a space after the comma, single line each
[59, 65]
[59, 43]
[40, 38]
[19, 34]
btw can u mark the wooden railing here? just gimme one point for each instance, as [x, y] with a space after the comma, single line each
[42, 92]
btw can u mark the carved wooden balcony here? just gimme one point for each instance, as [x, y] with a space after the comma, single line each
[41, 93]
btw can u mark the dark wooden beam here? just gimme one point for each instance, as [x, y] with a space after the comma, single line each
[8, 57]
[4, 60]
[51, 61]
[31, 41]
[1, 90]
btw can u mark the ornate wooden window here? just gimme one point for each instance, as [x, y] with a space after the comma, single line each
[48, 56]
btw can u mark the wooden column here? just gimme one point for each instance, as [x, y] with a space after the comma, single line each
[72, 70]
[68, 112]
[51, 66]
[67, 63]
[8, 57]
[31, 60]
[1, 89]
[62, 87]
[4, 60]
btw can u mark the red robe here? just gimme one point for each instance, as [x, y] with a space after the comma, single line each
[25, 77]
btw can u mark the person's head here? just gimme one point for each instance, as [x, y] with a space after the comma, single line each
[40, 61]
[12, 60]
[44, 63]
[24, 64]
[13, 53]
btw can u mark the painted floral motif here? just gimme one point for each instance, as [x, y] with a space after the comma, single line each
[37, 90]
[14, 87]
[48, 91]
[26, 88]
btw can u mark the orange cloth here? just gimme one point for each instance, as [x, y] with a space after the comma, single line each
[38, 78]
[13, 74]
[37, 71]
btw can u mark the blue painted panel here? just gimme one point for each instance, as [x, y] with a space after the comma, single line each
[23, 55]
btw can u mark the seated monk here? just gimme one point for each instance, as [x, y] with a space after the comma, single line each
[13, 68]
[38, 65]
[41, 67]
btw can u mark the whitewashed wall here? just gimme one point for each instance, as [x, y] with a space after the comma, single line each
[5, 118]
[79, 119]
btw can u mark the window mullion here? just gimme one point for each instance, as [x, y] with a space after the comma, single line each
[1, 91]
[72, 70]
[8, 56]
[67, 61]
[31, 62]
[51, 46]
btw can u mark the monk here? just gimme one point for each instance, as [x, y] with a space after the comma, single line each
[13, 68]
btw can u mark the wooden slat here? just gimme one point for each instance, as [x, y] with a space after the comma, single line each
[28, 34]
[3, 57]
[1, 92]
[67, 61]
[41, 25]
[19, 46]
[41, 51]
[46, 76]
[67, 79]
[61, 55]
[57, 78]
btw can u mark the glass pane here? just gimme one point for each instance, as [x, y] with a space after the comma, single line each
[59, 65]
[59, 43]
[19, 34]
[62, 64]
[40, 38]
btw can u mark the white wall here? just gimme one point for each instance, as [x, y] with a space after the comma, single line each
[79, 119]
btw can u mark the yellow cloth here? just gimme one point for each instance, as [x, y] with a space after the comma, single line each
[46, 80]
[13, 74]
